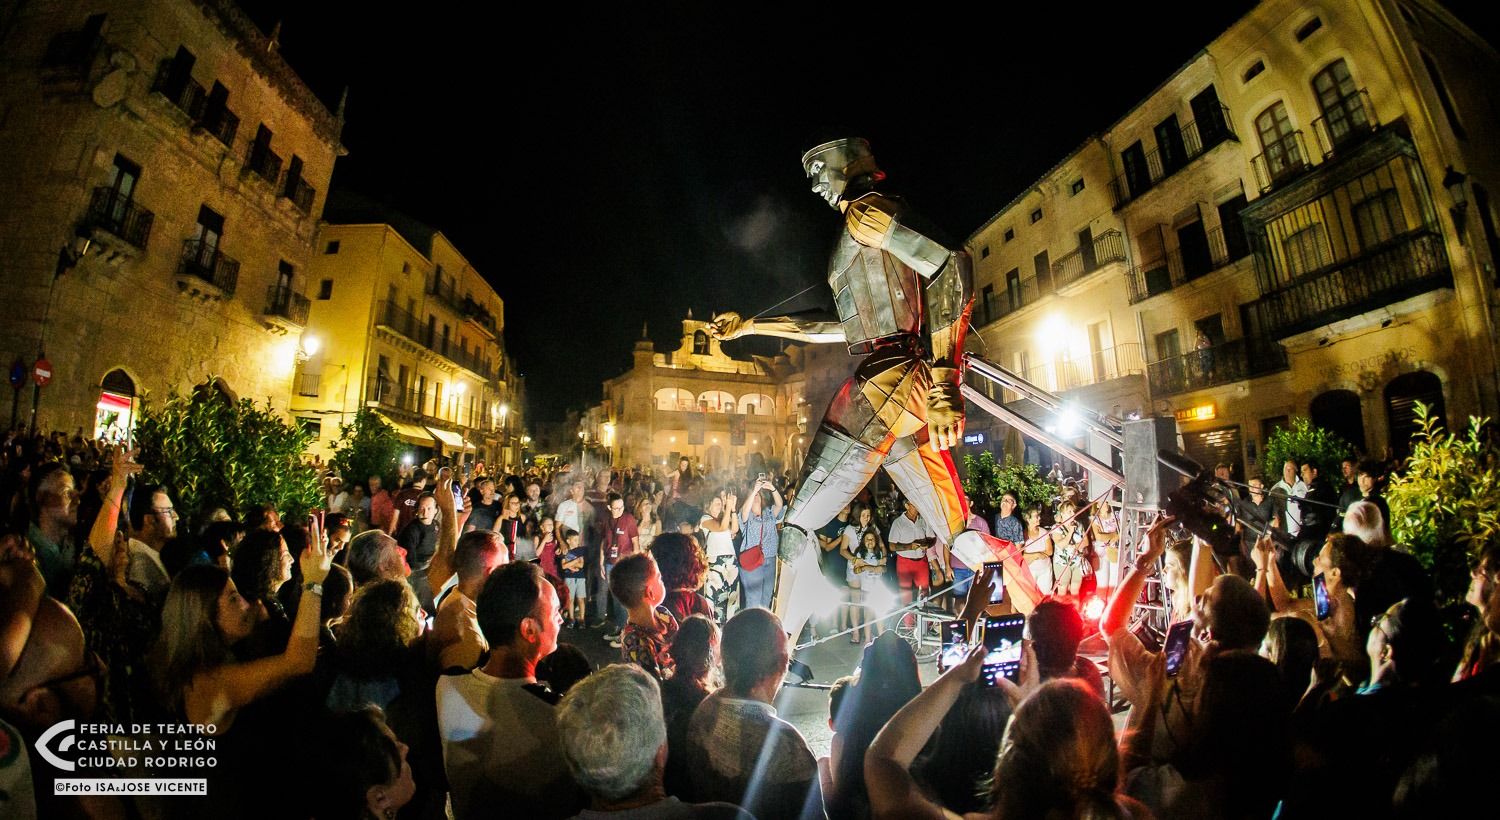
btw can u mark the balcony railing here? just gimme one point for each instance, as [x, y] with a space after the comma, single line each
[1198, 137]
[1107, 247]
[284, 302]
[1093, 367]
[398, 320]
[112, 211]
[446, 291]
[191, 99]
[1230, 361]
[263, 162]
[205, 261]
[1283, 161]
[1398, 269]
[1176, 269]
[300, 193]
[1017, 295]
[389, 393]
[1345, 123]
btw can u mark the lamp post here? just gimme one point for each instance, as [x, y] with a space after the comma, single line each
[459, 389]
[505, 434]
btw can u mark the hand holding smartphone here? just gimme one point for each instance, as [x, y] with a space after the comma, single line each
[1176, 646]
[1002, 644]
[955, 645]
[997, 581]
[1321, 605]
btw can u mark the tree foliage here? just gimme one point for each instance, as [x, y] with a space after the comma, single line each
[210, 451]
[986, 481]
[367, 446]
[1445, 505]
[1302, 442]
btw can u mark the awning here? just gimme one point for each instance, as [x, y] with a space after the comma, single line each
[411, 433]
[450, 438]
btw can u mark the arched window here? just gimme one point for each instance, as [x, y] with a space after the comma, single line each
[1344, 114]
[674, 398]
[1278, 141]
[700, 342]
[1401, 397]
[716, 401]
[757, 404]
[1339, 411]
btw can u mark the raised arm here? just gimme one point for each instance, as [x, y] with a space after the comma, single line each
[214, 696]
[440, 569]
[102, 535]
[1117, 613]
[804, 328]
[893, 791]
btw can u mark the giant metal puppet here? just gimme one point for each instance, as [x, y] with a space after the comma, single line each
[903, 303]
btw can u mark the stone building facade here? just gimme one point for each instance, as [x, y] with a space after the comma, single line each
[718, 410]
[165, 169]
[406, 326]
[1305, 228]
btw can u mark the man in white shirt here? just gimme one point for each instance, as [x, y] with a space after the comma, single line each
[498, 726]
[1284, 492]
[910, 537]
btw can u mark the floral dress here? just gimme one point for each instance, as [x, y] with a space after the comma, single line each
[651, 649]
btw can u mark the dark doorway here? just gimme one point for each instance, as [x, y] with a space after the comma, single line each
[1401, 397]
[1339, 412]
[1192, 243]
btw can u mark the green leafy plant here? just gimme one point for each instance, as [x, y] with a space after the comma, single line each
[1302, 442]
[211, 451]
[367, 446]
[986, 480]
[1445, 505]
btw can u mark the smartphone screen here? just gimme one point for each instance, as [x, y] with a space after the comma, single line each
[1002, 645]
[1320, 597]
[955, 645]
[1176, 647]
[997, 584]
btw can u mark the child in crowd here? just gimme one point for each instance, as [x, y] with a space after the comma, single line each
[866, 571]
[548, 548]
[573, 575]
[647, 638]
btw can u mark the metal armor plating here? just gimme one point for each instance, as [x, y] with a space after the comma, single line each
[878, 297]
[903, 301]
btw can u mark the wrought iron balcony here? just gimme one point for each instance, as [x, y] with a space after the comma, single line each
[112, 211]
[1018, 294]
[1283, 161]
[1345, 123]
[1197, 136]
[187, 95]
[388, 393]
[1398, 269]
[1092, 367]
[206, 262]
[299, 193]
[1176, 268]
[1106, 248]
[263, 162]
[284, 303]
[192, 100]
[1231, 361]
[405, 324]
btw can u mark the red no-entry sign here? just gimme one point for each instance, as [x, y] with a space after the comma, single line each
[42, 372]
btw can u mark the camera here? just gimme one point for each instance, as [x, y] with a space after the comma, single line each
[1202, 507]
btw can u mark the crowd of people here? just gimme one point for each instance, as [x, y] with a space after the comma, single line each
[404, 653]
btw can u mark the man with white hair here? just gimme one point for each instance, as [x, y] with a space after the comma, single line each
[614, 739]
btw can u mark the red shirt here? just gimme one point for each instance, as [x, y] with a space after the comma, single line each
[381, 510]
[619, 537]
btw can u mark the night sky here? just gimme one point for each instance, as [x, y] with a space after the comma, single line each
[605, 168]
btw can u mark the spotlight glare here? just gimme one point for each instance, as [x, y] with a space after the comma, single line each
[879, 600]
[825, 597]
[1093, 610]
